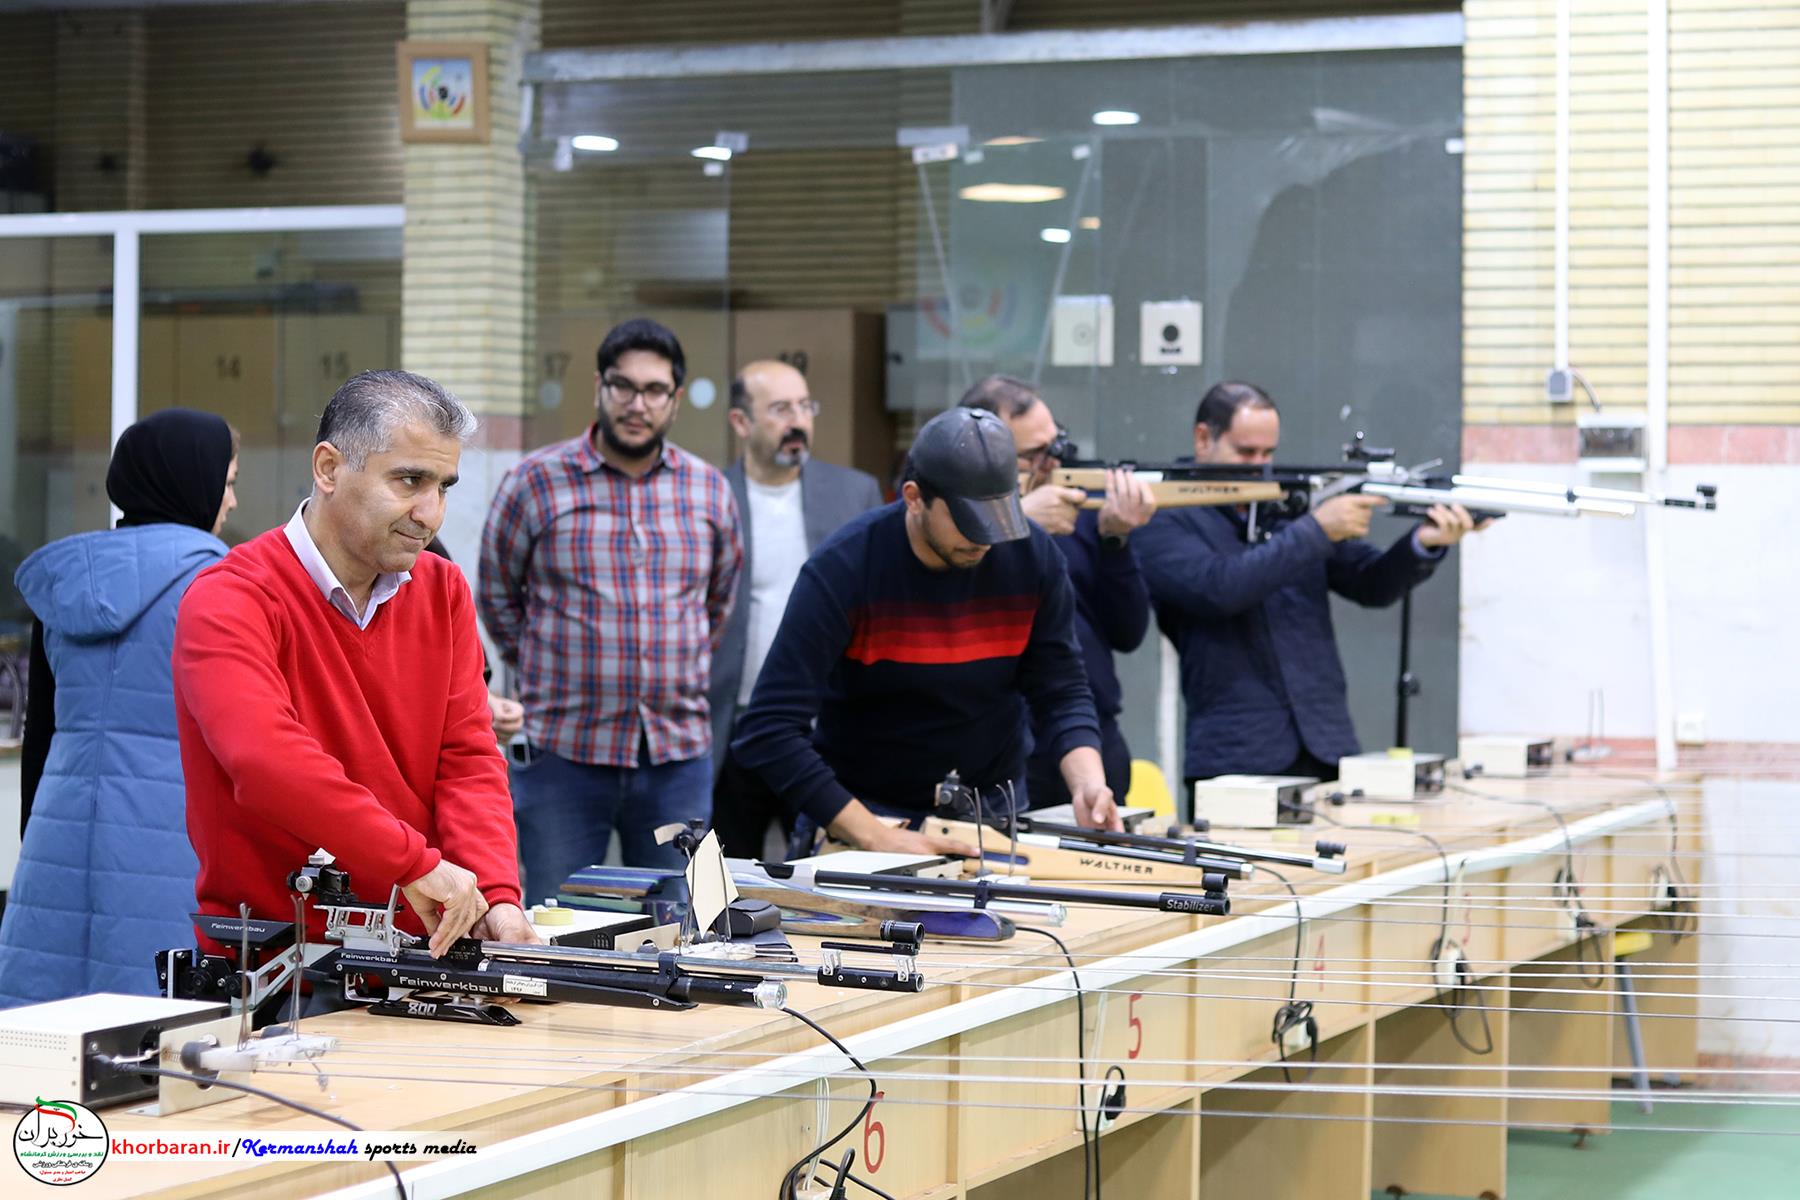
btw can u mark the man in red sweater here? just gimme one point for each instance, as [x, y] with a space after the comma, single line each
[329, 693]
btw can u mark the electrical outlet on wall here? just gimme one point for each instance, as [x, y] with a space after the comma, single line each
[1690, 728]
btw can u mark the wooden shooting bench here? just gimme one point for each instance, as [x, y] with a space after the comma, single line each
[977, 1070]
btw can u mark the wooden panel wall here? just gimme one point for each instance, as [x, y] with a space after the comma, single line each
[314, 84]
[1058, 14]
[1734, 200]
[1735, 239]
[28, 84]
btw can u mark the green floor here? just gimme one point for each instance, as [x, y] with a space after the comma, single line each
[1734, 1160]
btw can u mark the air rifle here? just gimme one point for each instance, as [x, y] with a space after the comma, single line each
[1369, 471]
[378, 964]
[1050, 849]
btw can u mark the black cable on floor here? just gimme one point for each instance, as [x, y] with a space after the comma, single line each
[133, 1068]
[1090, 1143]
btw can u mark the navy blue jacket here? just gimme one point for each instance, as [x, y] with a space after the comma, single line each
[1259, 662]
[910, 673]
[1112, 606]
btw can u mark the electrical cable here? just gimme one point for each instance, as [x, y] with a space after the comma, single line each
[127, 1067]
[1584, 924]
[1090, 1146]
[1295, 1014]
[1456, 993]
[844, 1175]
[790, 1181]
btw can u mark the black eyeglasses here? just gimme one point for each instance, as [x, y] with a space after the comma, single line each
[623, 392]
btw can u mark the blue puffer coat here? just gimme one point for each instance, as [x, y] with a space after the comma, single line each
[106, 874]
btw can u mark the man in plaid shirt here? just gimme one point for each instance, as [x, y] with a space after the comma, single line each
[609, 563]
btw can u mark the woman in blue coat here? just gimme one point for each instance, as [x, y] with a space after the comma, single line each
[106, 874]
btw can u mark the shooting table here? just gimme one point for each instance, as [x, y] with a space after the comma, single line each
[720, 1101]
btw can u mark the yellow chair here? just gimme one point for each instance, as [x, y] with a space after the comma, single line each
[1149, 789]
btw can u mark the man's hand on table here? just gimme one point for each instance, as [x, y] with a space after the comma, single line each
[859, 827]
[1085, 776]
[506, 923]
[1094, 808]
[448, 901]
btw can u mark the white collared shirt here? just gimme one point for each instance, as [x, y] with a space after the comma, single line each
[386, 584]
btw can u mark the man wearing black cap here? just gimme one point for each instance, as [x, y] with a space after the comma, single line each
[915, 637]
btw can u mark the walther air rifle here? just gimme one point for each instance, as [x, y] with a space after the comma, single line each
[1293, 491]
[1047, 848]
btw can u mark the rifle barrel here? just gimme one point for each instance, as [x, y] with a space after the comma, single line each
[1203, 850]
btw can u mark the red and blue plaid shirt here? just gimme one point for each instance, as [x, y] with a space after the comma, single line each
[608, 595]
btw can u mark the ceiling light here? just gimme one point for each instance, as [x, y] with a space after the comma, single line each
[1090, 222]
[1012, 140]
[1115, 116]
[595, 142]
[1012, 193]
[715, 153]
[1055, 235]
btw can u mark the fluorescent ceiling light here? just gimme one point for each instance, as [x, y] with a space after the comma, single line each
[1012, 193]
[1055, 235]
[595, 142]
[1115, 116]
[1090, 222]
[715, 153]
[1012, 140]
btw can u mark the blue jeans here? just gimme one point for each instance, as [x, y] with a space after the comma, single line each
[995, 802]
[567, 812]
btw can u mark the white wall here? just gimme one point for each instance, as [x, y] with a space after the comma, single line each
[1553, 608]
[1753, 887]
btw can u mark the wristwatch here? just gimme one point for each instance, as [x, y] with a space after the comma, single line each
[1113, 542]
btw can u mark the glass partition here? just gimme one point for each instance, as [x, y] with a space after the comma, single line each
[55, 417]
[631, 221]
[1122, 234]
[261, 328]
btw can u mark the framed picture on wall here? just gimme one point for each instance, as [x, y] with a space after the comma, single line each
[443, 91]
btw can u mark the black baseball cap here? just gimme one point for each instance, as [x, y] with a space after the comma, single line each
[967, 456]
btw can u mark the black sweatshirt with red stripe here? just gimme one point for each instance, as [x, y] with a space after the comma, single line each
[910, 672]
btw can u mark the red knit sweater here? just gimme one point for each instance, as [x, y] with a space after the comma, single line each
[299, 730]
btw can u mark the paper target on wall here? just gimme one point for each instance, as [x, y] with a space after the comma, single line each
[1169, 333]
[1082, 332]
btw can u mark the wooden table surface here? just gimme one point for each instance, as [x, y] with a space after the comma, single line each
[569, 1062]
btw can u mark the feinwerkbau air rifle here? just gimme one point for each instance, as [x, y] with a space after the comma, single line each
[378, 964]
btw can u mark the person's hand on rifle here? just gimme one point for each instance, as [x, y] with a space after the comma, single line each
[1129, 503]
[1345, 517]
[1448, 524]
[1053, 507]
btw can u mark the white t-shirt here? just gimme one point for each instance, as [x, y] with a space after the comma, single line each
[778, 551]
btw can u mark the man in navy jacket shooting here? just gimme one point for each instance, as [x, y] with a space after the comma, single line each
[1260, 671]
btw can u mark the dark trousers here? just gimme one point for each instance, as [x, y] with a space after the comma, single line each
[567, 811]
[1045, 775]
[743, 809]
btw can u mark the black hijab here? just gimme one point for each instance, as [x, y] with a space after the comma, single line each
[170, 469]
